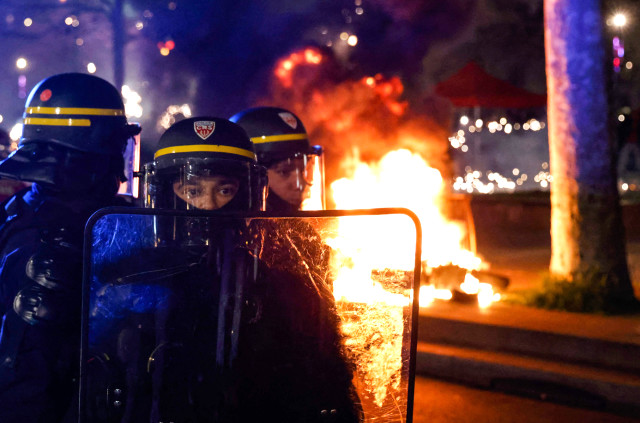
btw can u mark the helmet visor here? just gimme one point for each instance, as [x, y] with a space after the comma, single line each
[299, 180]
[197, 184]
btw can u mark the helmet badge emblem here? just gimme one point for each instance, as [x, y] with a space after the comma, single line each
[204, 128]
[45, 95]
[289, 119]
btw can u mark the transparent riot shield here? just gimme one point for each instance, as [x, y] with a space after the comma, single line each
[204, 317]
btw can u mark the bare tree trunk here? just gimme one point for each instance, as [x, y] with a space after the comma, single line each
[586, 222]
[117, 24]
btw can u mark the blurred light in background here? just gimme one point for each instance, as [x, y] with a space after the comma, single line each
[16, 132]
[132, 99]
[619, 20]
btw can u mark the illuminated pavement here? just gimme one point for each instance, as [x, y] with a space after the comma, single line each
[579, 359]
[438, 401]
[583, 360]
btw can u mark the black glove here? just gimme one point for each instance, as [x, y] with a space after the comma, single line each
[55, 281]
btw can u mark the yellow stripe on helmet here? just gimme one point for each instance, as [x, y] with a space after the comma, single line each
[57, 122]
[199, 148]
[276, 138]
[73, 111]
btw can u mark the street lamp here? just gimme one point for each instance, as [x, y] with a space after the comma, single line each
[21, 63]
[619, 20]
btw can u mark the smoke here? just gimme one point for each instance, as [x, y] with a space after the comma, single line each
[362, 118]
[225, 52]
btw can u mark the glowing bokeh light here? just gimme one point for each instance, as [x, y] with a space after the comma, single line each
[16, 132]
[132, 99]
[619, 20]
[168, 118]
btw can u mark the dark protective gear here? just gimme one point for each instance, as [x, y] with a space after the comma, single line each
[38, 363]
[74, 127]
[62, 168]
[204, 146]
[55, 269]
[208, 333]
[280, 136]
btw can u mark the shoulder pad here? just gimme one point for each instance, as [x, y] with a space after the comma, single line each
[13, 206]
[10, 209]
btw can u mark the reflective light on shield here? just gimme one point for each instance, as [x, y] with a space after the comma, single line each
[314, 201]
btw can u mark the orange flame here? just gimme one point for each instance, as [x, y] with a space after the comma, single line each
[359, 123]
[401, 179]
[285, 67]
[388, 91]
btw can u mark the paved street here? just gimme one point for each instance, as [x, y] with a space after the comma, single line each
[437, 401]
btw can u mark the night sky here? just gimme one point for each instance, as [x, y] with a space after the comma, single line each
[225, 51]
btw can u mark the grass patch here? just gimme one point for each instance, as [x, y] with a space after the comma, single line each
[588, 292]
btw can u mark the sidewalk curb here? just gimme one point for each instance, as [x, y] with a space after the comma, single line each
[509, 350]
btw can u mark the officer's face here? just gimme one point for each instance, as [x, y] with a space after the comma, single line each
[287, 180]
[207, 192]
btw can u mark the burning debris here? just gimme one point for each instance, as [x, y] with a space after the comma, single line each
[381, 153]
[452, 271]
[444, 283]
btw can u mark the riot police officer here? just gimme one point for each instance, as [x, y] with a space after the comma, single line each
[222, 337]
[74, 134]
[295, 171]
[295, 168]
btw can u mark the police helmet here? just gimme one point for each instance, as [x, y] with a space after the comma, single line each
[280, 138]
[70, 120]
[276, 133]
[195, 149]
